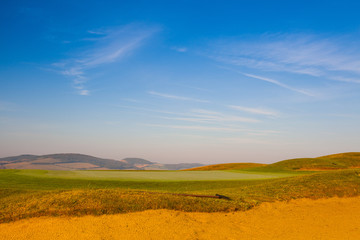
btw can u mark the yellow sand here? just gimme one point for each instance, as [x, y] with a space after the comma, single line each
[334, 218]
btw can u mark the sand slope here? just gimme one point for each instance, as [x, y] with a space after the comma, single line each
[334, 218]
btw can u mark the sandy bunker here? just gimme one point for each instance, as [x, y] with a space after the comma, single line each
[335, 218]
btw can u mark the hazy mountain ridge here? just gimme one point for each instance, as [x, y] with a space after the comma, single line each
[72, 161]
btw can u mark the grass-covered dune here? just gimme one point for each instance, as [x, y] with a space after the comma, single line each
[32, 193]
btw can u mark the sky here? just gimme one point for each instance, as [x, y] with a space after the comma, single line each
[180, 81]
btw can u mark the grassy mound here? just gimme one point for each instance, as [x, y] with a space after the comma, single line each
[330, 162]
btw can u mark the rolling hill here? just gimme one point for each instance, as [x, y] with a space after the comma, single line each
[328, 162]
[71, 161]
[226, 166]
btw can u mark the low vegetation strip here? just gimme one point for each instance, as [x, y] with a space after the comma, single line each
[19, 205]
[218, 196]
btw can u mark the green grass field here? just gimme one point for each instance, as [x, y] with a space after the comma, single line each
[154, 175]
[32, 193]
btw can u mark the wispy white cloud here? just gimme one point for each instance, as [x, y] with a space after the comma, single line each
[259, 111]
[191, 87]
[84, 92]
[144, 109]
[96, 32]
[215, 129]
[196, 115]
[217, 119]
[227, 140]
[204, 111]
[207, 122]
[280, 84]
[188, 119]
[212, 116]
[111, 45]
[332, 58]
[131, 100]
[175, 97]
[180, 49]
[345, 79]
[198, 128]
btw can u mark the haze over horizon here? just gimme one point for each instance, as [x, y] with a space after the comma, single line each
[205, 81]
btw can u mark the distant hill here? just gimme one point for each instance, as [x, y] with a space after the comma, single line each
[226, 166]
[137, 161]
[71, 161]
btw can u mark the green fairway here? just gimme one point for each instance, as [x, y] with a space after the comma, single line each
[31, 193]
[154, 175]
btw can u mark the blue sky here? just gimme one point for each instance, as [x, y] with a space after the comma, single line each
[184, 81]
